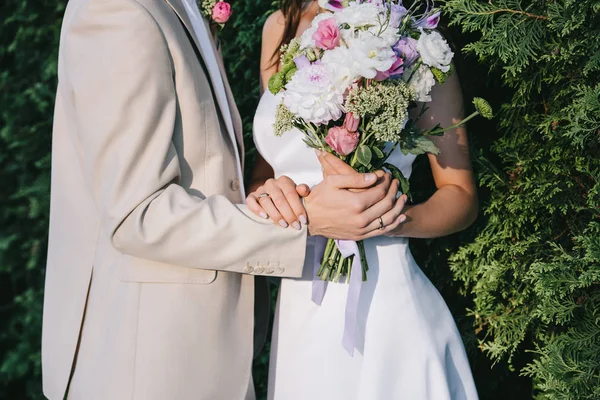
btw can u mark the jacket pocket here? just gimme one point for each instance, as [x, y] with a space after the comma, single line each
[143, 271]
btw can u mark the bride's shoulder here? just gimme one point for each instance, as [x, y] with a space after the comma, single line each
[274, 24]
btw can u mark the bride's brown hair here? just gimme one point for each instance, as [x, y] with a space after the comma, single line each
[292, 13]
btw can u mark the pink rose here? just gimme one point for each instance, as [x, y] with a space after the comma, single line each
[221, 12]
[341, 140]
[351, 122]
[327, 35]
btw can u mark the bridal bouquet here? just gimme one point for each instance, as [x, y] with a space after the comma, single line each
[348, 83]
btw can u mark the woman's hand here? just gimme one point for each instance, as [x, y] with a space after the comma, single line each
[280, 200]
[331, 165]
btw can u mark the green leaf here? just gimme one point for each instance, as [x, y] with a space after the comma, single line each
[439, 76]
[276, 82]
[427, 145]
[378, 152]
[364, 155]
[397, 174]
[418, 145]
[290, 74]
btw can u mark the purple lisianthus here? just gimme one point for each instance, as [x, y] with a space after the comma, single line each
[333, 5]
[430, 22]
[406, 48]
[397, 12]
[301, 62]
[395, 71]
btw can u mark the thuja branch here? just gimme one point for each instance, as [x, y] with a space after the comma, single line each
[508, 10]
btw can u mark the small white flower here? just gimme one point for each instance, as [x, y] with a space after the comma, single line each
[313, 96]
[421, 82]
[434, 50]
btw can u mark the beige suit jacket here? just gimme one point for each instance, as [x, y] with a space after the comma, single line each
[145, 293]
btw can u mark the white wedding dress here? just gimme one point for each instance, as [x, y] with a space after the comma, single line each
[408, 346]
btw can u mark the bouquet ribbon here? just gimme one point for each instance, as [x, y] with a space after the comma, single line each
[347, 248]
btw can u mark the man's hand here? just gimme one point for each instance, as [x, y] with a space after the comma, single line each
[331, 165]
[336, 212]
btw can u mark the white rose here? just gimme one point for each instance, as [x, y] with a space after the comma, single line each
[371, 55]
[312, 95]
[434, 50]
[421, 82]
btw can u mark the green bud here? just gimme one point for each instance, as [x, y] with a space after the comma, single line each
[483, 107]
[310, 54]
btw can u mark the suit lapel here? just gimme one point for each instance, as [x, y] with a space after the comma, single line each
[216, 73]
[235, 114]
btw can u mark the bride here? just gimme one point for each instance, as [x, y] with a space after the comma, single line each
[407, 345]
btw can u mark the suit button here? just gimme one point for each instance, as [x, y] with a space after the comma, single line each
[259, 270]
[235, 185]
[248, 270]
[279, 270]
[269, 270]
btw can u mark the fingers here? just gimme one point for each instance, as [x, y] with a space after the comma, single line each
[352, 181]
[388, 229]
[283, 203]
[390, 217]
[386, 204]
[385, 188]
[277, 205]
[303, 190]
[332, 165]
[252, 203]
[267, 204]
[297, 207]
[326, 166]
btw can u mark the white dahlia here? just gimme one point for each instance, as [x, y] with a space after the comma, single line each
[313, 96]
[342, 67]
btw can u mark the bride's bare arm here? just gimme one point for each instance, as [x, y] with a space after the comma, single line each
[271, 36]
[454, 205]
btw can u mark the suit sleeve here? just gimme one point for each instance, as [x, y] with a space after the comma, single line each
[121, 81]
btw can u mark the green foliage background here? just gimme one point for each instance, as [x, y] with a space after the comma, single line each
[524, 286]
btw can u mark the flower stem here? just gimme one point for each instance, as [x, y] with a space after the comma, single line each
[363, 259]
[417, 66]
[464, 121]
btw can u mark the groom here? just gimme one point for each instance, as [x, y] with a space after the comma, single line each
[149, 286]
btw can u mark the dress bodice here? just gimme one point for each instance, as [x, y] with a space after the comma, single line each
[289, 155]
